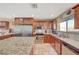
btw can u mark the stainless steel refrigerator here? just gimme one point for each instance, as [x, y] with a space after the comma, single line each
[22, 30]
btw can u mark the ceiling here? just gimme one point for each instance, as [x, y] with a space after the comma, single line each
[43, 10]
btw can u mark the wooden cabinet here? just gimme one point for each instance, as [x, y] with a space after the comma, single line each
[6, 36]
[53, 41]
[61, 47]
[28, 21]
[58, 46]
[76, 16]
[43, 24]
[18, 21]
[23, 21]
[4, 24]
[48, 39]
[54, 24]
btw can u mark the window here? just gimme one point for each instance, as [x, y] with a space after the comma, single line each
[63, 26]
[67, 25]
[70, 24]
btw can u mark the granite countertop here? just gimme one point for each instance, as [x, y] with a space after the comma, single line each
[16, 46]
[71, 42]
[6, 34]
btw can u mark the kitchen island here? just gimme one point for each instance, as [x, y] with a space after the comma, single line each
[16, 46]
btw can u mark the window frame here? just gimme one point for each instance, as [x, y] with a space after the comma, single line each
[70, 18]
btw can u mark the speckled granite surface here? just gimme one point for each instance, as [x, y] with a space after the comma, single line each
[16, 46]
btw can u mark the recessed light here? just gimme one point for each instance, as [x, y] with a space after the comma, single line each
[52, 15]
[32, 15]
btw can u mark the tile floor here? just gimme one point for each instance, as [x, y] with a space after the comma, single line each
[37, 41]
[43, 49]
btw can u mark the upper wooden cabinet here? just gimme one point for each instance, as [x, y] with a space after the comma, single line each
[4, 24]
[54, 24]
[18, 21]
[28, 20]
[22, 21]
[76, 16]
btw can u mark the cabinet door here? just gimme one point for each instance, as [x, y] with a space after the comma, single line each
[28, 21]
[7, 25]
[76, 17]
[58, 46]
[18, 21]
[4, 24]
[52, 41]
[47, 38]
[67, 51]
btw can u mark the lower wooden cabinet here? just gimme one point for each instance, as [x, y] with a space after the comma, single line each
[45, 39]
[53, 41]
[6, 36]
[48, 39]
[4, 24]
[58, 46]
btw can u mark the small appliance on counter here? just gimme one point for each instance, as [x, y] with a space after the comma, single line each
[54, 31]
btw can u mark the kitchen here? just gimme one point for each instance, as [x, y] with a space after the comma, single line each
[27, 29]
